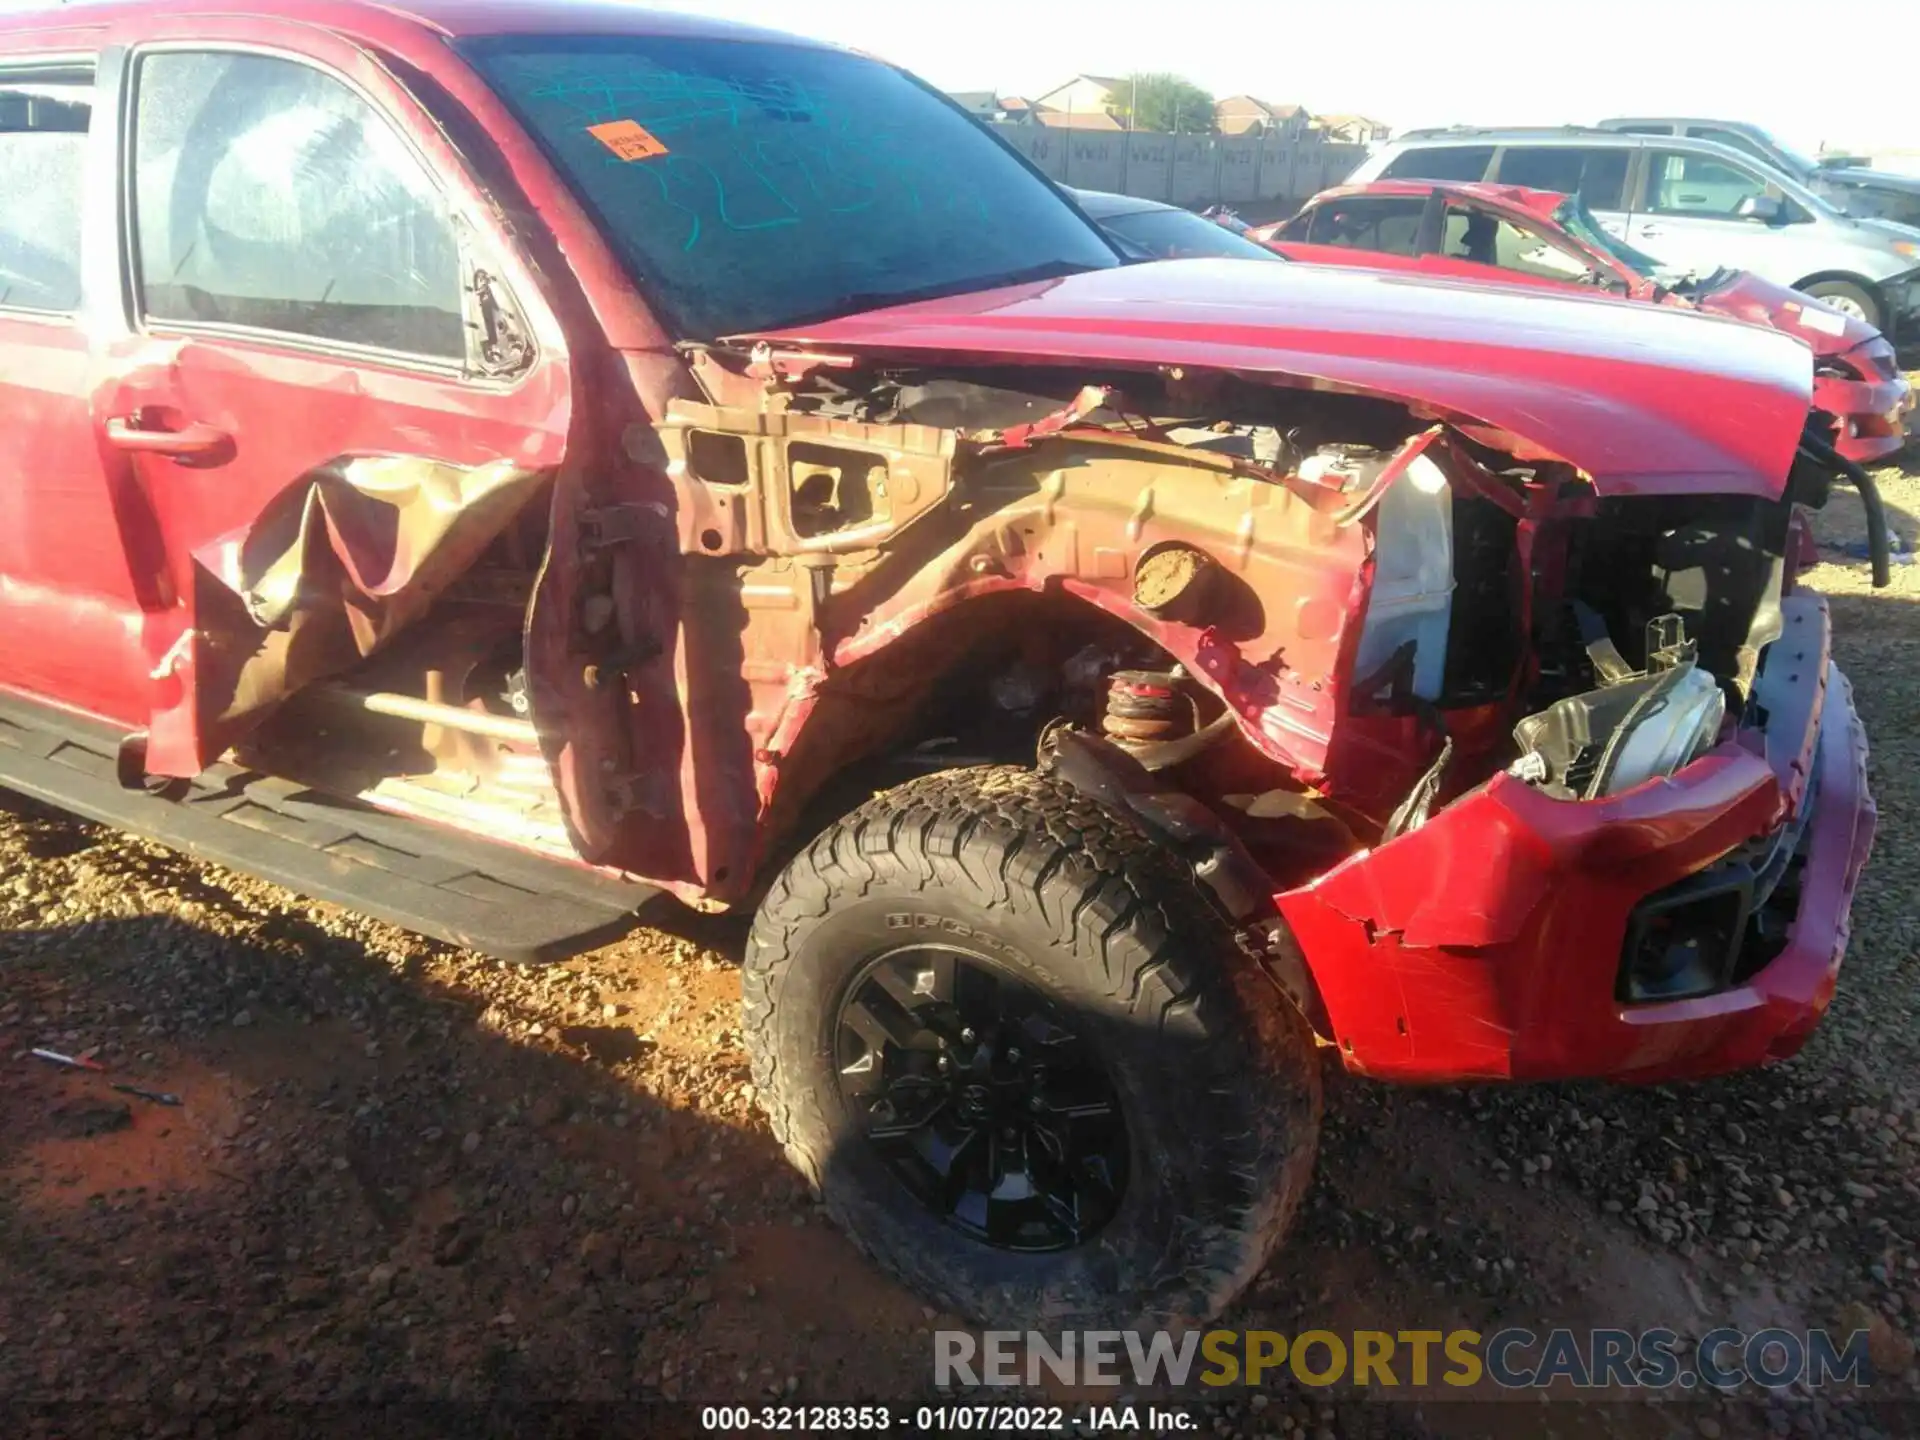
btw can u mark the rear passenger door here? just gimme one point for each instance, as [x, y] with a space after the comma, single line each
[301, 384]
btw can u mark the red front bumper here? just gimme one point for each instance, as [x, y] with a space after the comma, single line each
[1488, 943]
[1873, 413]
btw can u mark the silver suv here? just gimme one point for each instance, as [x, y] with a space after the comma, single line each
[1850, 183]
[1693, 204]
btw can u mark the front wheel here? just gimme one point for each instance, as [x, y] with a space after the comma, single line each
[1848, 298]
[1023, 1061]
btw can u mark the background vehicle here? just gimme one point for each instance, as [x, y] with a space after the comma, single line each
[1853, 187]
[478, 478]
[1692, 204]
[1462, 230]
[1149, 230]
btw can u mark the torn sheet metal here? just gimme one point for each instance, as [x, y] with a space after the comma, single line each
[335, 565]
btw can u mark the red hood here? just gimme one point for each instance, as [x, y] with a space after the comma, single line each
[1761, 302]
[1645, 399]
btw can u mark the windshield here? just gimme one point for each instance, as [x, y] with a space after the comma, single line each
[1801, 165]
[751, 185]
[1573, 216]
[1179, 235]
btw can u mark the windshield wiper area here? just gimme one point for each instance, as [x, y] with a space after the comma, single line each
[855, 301]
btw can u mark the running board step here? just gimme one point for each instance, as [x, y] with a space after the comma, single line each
[481, 896]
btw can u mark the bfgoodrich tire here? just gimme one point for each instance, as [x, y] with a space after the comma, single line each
[1019, 1055]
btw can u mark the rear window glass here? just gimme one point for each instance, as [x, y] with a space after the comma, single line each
[1387, 223]
[749, 185]
[43, 143]
[1440, 162]
[1598, 175]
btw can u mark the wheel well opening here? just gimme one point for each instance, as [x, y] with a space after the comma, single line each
[980, 685]
[975, 685]
[1842, 277]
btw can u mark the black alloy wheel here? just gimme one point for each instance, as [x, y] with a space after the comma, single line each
[981, 1099]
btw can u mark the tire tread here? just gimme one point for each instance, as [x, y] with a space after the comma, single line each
[1140, 929]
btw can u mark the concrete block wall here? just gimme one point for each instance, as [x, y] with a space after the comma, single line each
[1191, 170]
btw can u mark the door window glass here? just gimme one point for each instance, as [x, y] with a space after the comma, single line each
[272, 196]
[1597, 175]
[1389, 223]
[1441, 162]
[1485, 238]
[1684, 184]
[43, 142]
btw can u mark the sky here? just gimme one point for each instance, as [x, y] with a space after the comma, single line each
[1412, 62]
[1777, 63]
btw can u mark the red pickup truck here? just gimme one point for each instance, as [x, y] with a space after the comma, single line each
[494, 465]
[1473, 231]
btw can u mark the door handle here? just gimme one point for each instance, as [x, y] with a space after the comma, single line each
[197, 441]
[1646, 230]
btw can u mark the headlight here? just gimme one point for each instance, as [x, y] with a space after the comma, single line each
[1640, 726]
[1666, 731]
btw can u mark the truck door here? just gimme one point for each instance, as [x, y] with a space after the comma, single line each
[306, 394]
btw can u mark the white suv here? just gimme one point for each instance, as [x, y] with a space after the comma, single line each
[1693, 204]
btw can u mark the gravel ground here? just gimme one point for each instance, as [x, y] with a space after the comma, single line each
[400, 1172]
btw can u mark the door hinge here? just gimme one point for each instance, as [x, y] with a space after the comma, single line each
[503, 345]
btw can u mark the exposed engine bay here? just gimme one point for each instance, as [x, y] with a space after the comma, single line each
[1326, 617]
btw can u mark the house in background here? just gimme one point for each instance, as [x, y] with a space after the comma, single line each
[981, 104]
[1352, 129]
[1247, 115]
[1016, 107]
[1084, 95]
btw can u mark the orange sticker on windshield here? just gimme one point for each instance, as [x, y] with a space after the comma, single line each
[628, 139]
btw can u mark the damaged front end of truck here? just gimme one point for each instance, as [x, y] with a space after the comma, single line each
[1452, 636]
[1508, 764]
